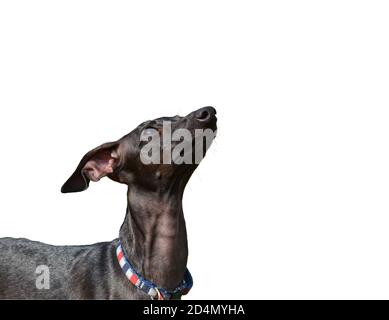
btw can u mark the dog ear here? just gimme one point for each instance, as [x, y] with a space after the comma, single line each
[95, 165]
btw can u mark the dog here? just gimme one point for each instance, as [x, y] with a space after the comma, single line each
[148, 260]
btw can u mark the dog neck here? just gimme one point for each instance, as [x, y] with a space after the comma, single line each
[153, 236]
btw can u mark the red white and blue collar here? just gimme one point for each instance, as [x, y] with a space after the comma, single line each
[149, 287]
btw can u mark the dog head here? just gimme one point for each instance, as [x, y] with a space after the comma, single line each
[158, 155]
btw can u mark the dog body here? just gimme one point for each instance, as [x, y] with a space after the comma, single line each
[75, 272]
[153, 234]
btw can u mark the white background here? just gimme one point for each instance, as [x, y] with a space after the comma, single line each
[292, 199]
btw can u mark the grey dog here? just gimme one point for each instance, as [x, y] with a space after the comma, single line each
[152, 236]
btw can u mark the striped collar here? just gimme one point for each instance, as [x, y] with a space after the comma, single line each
[148, 287]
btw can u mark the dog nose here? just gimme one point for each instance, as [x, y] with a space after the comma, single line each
[205, 114]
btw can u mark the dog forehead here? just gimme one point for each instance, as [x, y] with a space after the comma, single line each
[158, 121]
[162, 119]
